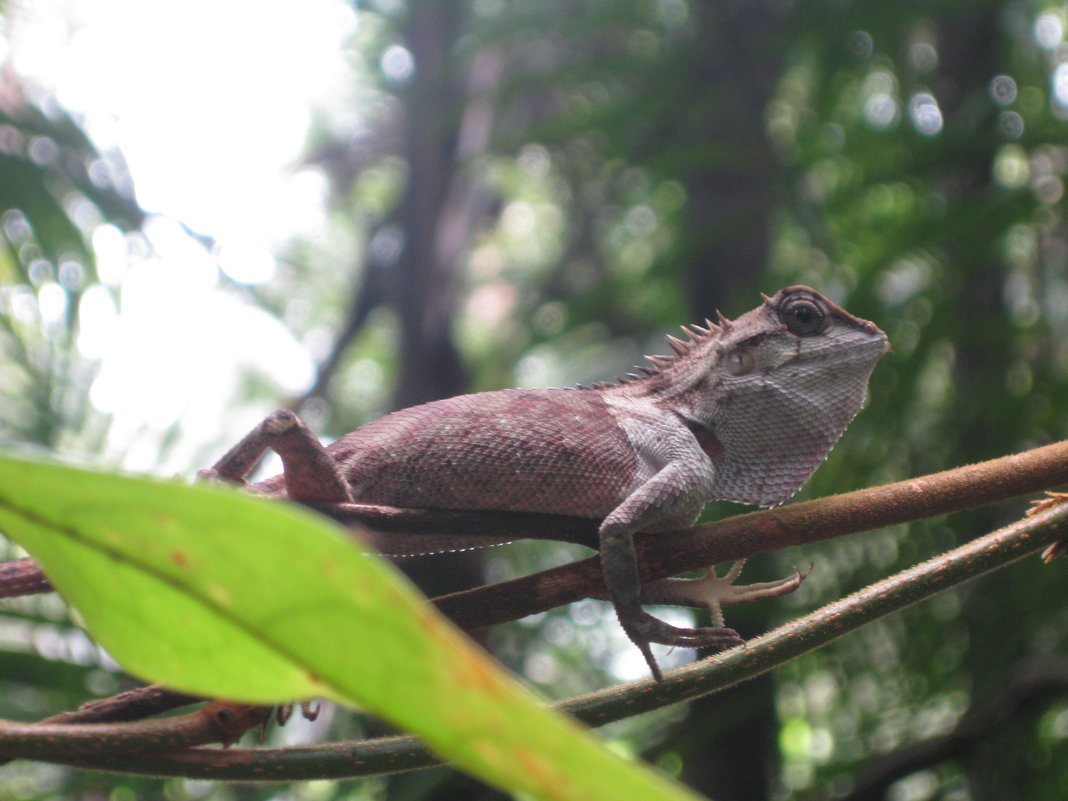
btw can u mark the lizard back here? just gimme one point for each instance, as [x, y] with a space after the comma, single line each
[529, 450]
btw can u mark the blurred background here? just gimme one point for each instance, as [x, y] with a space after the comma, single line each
[209, 210]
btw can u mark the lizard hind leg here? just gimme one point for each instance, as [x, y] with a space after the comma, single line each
[310, 473]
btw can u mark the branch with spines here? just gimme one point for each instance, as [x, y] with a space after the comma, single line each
[724, 540]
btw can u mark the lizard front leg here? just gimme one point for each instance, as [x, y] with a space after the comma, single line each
[662, 497]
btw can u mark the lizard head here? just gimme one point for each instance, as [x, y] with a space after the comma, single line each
[769, 394]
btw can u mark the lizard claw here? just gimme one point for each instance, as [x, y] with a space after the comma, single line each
[646, 629]
[210, 475]
[309, 710]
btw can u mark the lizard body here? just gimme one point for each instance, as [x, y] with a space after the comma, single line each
[743, 410]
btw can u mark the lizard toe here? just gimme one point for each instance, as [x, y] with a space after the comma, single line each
[646, 629]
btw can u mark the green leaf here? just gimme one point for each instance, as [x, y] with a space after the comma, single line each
[218, 593]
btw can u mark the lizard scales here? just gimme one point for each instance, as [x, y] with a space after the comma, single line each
[742, 410]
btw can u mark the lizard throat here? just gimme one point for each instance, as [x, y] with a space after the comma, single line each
[708, 441]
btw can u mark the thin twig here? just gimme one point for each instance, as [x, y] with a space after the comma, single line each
[218, 721]
[134, 704]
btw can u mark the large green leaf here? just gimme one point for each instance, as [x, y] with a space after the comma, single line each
[217, 593]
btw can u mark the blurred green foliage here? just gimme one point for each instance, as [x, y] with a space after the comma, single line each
[56, 189]
[532, 194]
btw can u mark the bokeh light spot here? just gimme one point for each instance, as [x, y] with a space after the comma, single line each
[925, 114]
[398, 63]
[1049, 30]
[1003, 90]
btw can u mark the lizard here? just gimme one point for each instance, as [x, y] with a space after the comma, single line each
[741, 410]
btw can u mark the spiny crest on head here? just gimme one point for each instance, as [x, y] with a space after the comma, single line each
[695, 335]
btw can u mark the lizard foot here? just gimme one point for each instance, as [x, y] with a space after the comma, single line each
[309, 710]
[714, 591]
[643, 630]
[209, 475]
[310, 473]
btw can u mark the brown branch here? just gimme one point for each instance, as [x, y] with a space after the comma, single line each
[413, 532]
[140, 702]
[664, 555]
[135, 704]
[742, 536]
[216, 722]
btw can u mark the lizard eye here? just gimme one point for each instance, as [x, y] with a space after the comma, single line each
[741, 362]
[803, 316]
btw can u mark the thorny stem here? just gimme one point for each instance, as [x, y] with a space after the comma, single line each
[393, 754]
